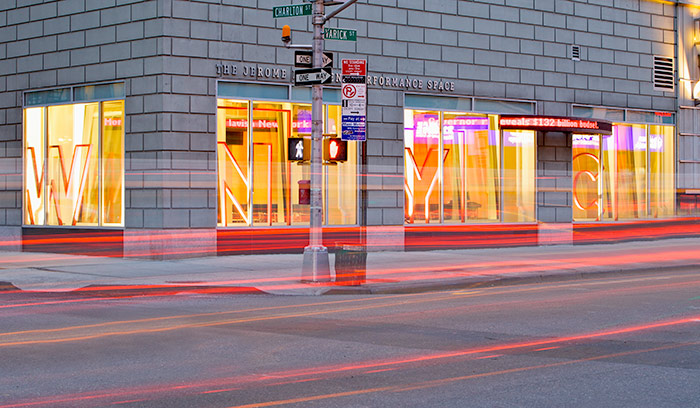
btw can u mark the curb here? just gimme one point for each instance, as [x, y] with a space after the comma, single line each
[472, 282]
[8, 287]
[161, 290]
[501, 280]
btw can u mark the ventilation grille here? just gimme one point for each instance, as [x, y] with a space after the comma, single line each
[663, 74]
[576, 53]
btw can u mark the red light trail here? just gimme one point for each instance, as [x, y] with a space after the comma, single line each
[367, 367]
[317, 373]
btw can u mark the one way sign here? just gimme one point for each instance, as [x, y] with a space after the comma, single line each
[304, 59]
[312, 76]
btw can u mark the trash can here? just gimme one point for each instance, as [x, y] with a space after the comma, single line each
[350, 265]
[304, 192]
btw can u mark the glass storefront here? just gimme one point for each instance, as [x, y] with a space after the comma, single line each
[626, 175]
[460, 168]
[74, 164]
[519, 166]
[258, 185]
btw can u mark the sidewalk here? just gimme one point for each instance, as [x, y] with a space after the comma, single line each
[387, 272]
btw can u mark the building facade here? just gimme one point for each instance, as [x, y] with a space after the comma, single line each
[161, 128]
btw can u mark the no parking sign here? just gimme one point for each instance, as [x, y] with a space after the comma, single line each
[354, 100]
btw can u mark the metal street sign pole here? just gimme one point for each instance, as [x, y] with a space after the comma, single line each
[316, 266]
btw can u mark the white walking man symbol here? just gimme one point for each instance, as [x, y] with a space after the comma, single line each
[299, 154]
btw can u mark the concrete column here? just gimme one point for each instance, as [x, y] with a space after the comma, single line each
[171, 166]
[554, 188]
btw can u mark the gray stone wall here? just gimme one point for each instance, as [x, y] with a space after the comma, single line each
[170, 107]
[688, 158]
[688, 141]
[166, 52]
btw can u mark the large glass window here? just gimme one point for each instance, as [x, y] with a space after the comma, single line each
[258, 185]
[586, 177]
[232, 158]
[271, 125]
[471, 164]
[341, 178]
[626, 175]
[74, 164]
[422, 165]
[112, 163]
[626, 166]
[519, 175]
[453, 170]
[661, 170]
[34, 166]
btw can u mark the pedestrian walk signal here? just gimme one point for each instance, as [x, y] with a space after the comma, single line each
[335, 150]
[298, 149]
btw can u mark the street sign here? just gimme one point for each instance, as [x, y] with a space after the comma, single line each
[292, 10]
[304, 59]
[327, 59]
[354, 128]
[339, 34]
[349, 91]
[354, 67]
[327, 2]
[353, 100]
[312, 76]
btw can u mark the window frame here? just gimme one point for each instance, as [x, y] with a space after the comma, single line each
[119, 87]
[501, 152]
[251, 101]
[648, 210]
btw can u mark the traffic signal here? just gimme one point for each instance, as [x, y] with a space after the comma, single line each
[335, 150]
[298, 149]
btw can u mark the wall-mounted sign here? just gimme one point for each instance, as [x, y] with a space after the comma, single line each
[251, 71]
[555, 124]
[265, 72]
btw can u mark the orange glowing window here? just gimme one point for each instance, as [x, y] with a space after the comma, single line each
[257, 183]
[459, 168]
[626, 175]
[74, 164]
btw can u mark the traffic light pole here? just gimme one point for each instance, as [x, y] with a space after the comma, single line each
[316, 265]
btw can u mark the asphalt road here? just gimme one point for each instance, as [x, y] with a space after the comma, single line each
[619, 341]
